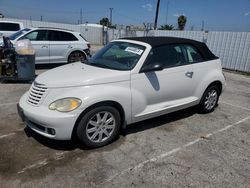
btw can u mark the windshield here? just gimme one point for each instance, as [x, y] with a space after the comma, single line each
[19, 33]
[117, 56]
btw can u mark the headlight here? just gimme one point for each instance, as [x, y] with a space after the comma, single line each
[65, 105]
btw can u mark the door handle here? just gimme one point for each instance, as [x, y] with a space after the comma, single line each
[44, 46]
[189, 74]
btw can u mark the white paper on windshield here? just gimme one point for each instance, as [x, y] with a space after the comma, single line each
[134, 50]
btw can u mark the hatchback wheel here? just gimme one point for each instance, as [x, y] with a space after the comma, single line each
[99, 126]
[76, 56]
[209, 99]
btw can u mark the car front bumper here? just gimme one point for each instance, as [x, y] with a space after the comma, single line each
[51, 124]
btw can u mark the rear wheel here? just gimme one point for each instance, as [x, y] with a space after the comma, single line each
[76, 56]
[99, 126]
[209, 99]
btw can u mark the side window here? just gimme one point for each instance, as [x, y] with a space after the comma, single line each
[193, 55]
[168, 55]
[61, 36]
[65, 36]
[39, 35]
[54, 35]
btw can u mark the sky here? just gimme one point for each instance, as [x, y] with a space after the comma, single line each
[218, 15]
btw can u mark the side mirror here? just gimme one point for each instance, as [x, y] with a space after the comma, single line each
[152, 67]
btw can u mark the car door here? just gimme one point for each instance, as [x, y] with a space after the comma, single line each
[61, 43]
[39, 40]
[158, 92]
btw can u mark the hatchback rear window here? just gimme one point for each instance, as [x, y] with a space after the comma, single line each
[9, 27]
[83, 37]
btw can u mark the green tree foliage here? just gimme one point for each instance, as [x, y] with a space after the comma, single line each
[105, 21]
[182, 22]
[166, 27]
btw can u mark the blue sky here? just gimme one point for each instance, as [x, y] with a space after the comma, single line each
[220, 15]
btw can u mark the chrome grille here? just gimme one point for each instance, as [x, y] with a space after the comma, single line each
[37, 93]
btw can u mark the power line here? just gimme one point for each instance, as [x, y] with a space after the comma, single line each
[127, 17]
[55, 11]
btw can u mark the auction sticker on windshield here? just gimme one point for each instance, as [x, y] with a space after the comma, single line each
[134, 50]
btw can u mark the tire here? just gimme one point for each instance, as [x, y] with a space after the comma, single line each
[76, 56]
[209, 99]
[99, 126]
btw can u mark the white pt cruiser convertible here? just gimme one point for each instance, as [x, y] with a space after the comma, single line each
[127, 81]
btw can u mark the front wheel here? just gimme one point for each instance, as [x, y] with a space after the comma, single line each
[209, 99]
[99, 126]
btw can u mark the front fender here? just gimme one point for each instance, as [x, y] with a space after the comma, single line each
[90, 95]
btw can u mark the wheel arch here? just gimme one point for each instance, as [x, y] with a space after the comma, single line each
[216, 83]
[76, 50]
[114, 104]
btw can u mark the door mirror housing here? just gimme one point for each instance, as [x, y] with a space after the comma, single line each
[152, 67]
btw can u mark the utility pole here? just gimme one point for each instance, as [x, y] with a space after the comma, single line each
[202, 25]
[167, 13]
[156, 14]
[110, 16]
[81, 16]
[31, 21]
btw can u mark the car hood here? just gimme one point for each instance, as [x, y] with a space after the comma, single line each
[79, 74]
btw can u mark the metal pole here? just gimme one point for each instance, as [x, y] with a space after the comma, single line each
[156, 14]
[202, 25]
[110, 18]
[81, 16]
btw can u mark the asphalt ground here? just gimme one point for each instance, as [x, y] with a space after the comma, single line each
[181, 149]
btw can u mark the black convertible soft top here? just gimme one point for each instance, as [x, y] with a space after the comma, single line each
[159, 41]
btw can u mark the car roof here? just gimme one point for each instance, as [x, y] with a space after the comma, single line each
[159, 41]
[53, 28]
[6, 21]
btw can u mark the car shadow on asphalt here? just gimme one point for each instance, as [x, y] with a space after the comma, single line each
[130, 129]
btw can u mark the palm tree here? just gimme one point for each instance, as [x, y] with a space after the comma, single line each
[166, 27]
[105, 21]
[182, 22]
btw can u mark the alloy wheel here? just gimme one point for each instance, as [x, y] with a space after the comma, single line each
[211, 99]
[76, 56]
[100, 126]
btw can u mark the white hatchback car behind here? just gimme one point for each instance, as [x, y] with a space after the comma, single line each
[54, 45]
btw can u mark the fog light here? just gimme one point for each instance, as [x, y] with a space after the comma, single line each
[51, 131]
